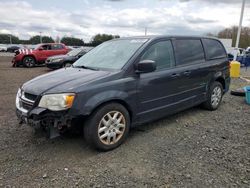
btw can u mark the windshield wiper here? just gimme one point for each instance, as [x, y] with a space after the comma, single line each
[85, 67]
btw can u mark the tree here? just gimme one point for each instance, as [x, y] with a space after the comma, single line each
[8, 38]
[232, 34]
[100, 38]
[72, 41]
[36, 39]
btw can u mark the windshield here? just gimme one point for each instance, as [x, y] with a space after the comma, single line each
[110, 55]
[75, 52]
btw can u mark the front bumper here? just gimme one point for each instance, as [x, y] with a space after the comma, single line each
[54, 65]
[16, 61]
[39, 118]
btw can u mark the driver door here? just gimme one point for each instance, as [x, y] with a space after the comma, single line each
[158, 90]
[45, 52]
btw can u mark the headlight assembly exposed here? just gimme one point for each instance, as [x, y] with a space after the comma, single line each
[57, 102]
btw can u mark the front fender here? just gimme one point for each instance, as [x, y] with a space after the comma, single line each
[86, 107]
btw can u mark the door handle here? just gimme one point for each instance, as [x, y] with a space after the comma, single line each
[175, 75]
[187, 73]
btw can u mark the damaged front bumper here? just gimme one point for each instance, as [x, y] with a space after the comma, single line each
[53, 123]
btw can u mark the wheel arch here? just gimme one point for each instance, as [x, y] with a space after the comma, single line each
[115, 100]
[222, 81]
[30, 55]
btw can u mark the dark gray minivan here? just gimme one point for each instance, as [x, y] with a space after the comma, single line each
[126, 82]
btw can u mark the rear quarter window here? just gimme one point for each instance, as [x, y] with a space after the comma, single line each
[189, 51]
[214, 49]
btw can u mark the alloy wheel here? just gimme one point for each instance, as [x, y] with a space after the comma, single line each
[216, 96]
[111, 127]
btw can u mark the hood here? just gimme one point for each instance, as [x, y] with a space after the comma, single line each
[58, 57]
[25, 51]
[63, 80]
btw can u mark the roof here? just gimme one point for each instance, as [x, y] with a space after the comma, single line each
[167, 36]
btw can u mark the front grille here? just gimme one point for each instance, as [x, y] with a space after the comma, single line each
[26, 105]
[27, 100]
[30, 96]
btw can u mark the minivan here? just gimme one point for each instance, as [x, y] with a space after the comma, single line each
[126, 82]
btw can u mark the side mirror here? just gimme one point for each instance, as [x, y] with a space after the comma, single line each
[146, 66]
[40, 48]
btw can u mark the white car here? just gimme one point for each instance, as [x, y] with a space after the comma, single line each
[3, 48]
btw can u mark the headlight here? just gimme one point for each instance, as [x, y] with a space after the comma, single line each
[57, 102]
[56, 60]
[18, 95]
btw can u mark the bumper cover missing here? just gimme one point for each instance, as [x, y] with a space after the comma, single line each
[40, 118]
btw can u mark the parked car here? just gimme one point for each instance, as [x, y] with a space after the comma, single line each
[38, 55]
[126, 82]
[244, 58]
[59, 61]
[12, 49]
[3, 48]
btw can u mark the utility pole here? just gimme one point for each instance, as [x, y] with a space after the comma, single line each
[239, 28]
[41, 40]
[146, 29]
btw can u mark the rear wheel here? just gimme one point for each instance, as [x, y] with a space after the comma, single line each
[107, 127]
[29, 61]
[215, 94]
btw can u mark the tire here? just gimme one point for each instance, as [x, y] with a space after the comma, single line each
[238, 92]
[107, 127]
[214, 96]
[29, 61]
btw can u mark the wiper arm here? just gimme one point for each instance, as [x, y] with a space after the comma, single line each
[85, 67]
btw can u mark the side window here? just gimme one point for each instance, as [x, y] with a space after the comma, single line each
[57, 47]
[46, 47]
[161, 53]
[189, 51]
[214, 49]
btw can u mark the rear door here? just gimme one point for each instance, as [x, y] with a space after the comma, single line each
[190, 61]
[58, 49]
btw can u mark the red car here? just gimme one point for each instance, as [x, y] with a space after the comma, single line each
[38, 55]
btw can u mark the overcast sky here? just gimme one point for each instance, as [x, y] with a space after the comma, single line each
[85, 18]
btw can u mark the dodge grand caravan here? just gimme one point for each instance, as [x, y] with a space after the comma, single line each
[126, 82]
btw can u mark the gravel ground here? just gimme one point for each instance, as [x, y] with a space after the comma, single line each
[194, 148]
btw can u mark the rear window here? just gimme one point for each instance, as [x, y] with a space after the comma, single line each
[214, 49]
[189, 51]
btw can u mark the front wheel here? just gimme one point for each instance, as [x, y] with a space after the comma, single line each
[107, 127]
[215, 94]
[29, 61]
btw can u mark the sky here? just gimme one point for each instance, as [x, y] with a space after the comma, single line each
[86, 18]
